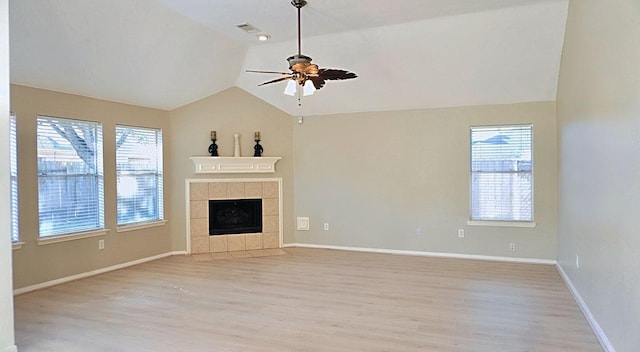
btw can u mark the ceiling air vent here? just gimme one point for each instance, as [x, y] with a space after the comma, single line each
[248, 28]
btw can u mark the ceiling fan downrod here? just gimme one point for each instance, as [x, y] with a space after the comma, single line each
[298, 4]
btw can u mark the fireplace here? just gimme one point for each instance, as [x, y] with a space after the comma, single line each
[233, 216]
[201, 191]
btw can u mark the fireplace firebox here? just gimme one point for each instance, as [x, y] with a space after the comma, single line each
[233, 216]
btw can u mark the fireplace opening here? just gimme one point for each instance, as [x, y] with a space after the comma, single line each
[234, 216]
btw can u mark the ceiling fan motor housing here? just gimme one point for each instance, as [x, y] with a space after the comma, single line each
[302, 68]
[298, 59]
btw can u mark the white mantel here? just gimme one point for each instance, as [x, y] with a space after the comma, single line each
[225, 164]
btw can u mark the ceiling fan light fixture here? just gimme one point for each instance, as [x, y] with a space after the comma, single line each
[290, 89]
[309, 88]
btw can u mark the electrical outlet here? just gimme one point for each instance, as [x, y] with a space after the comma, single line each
[461, 233]
[326, 226]
[512, 247]
[100, 244]
[419, 231]
[577, 262]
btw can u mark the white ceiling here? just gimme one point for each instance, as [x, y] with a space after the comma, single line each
[408, 54]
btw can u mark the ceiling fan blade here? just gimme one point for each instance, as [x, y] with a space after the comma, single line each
[276, 72]
[275, 80]
[331, 74]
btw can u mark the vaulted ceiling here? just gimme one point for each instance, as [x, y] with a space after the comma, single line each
[408, 54]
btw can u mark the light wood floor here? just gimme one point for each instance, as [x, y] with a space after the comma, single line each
[308, 300]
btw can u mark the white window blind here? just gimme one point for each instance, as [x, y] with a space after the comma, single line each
[139, 171]
[70, 176]
[502, 173]
[13, 170]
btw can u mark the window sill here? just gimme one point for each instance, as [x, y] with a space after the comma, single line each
[71, 237]
[142, 225]
[501, 223]
[16, 245]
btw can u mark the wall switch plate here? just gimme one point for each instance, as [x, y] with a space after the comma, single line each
[460, 233]
[326, 226]
[303, 223]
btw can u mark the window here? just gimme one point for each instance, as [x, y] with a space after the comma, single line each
[502, 173]
[13, 171]
[139, 169]
[70, 176]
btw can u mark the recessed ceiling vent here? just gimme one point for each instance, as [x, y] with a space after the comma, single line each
[247, 27]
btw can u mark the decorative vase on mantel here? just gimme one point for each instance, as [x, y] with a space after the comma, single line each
[236, 145]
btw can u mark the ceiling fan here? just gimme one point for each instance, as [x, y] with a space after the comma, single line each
[303, 72]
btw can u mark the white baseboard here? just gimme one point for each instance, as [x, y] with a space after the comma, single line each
[92, 273]
[602, 337]
[427, 254]
[9, 349]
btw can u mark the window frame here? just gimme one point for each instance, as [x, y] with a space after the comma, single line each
[502, 222]
[13, 177]
[61, 235]
[158, 173]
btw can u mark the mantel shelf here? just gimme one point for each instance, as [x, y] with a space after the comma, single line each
[235, 165]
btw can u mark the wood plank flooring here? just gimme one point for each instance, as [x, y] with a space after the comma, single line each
[308, 300]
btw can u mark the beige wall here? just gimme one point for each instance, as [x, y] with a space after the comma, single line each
[35, 264]
[7, 343]
[599, 163]
[228, 112]
[376, 177]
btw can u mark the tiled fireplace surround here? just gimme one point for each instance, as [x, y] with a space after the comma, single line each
[201, 191]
